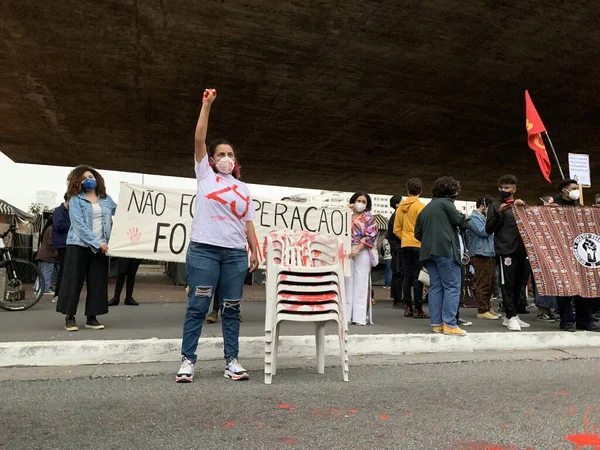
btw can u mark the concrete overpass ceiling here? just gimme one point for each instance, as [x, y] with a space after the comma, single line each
[321, 94]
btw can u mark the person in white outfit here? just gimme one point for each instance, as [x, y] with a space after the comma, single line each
[364, 237]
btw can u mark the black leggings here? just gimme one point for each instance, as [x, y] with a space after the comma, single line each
[128, 268]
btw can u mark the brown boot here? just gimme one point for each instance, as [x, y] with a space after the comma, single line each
[420, 314]
[408, 311]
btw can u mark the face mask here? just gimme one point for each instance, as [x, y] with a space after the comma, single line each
[574, 195]
[89, 184]
[359, 207]
[505, 194]
[225, 165]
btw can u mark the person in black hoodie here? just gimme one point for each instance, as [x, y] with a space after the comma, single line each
[583, 319]
[510, 250]
[396, 249]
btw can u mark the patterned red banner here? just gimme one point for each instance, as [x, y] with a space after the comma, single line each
[563, 245]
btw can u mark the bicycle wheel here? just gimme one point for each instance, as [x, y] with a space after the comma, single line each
[21, 285]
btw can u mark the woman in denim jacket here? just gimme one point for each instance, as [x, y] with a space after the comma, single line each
[86, 260]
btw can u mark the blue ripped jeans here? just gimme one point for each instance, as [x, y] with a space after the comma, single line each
[210, 267]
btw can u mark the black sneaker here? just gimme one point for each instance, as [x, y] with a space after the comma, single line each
[131, 302]
[71, 324]
[545, 318]
[397, 305]
[592, 327]
[114, 302]
[94, 324]
[569, 327]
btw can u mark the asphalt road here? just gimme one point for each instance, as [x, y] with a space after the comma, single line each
[165, 320]
[498, 405]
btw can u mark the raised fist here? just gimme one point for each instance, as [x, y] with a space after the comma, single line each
[209, 96]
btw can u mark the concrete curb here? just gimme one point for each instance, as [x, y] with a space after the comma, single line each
[69, 353]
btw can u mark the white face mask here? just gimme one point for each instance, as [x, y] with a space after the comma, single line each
[359, 207]
[574, 195]
[225, 165]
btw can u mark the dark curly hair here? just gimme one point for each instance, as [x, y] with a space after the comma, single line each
[507, 179]
[445, 187]
[212, 148]
[362, 194]
[75, 179]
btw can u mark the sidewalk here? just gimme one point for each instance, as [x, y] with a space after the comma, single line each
[151, 332]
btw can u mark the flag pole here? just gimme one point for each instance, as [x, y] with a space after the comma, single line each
[545, 133]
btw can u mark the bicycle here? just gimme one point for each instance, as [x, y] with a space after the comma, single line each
[21, 281]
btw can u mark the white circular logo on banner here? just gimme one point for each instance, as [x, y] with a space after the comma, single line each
[586, 249]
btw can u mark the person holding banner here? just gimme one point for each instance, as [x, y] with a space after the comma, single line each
[583, 318]
[217, 257]
[510, 250]
[358, 284]
[86, 260]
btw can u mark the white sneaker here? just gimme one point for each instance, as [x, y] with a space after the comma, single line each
[234, 371]
[185, 373]
[54, 299]
[513, 324]
[522, 324]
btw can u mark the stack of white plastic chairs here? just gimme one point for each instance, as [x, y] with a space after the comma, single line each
[305, 283]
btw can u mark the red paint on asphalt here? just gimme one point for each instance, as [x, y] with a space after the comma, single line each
[586, 439]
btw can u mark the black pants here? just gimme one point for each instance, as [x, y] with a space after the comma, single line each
[583, 318]
[512, 274]
[523, 303]
[128, 268]
[61, 266]
[83, 265]
[412, 266]
[397, 274]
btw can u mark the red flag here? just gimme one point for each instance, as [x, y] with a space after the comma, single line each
[534, 126]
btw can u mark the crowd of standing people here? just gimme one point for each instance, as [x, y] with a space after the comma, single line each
[433, 244]
[446, 244]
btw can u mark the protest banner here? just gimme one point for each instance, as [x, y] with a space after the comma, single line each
[155, 223]
[563, 245]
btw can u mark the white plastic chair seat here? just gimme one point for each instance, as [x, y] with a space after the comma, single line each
[308, 308]
[309, 298]
[283, 316]
[311, 279]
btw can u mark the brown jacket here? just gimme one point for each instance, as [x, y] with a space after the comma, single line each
[46, 252]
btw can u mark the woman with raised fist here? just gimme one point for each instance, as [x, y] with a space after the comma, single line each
[217, 255]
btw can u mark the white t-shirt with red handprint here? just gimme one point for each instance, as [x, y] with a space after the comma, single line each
[223, 206]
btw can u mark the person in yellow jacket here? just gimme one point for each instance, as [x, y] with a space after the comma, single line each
[404, 227]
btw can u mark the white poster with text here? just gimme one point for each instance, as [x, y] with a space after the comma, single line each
[155, 223]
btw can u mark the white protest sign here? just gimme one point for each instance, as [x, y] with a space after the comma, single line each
[155, 223]
[579, 169]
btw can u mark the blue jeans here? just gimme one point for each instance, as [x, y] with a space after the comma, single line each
[388, 272]
[47, 269]
[209, 268]
[444, 290]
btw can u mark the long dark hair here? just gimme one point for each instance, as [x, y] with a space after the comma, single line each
[212, 148]
[75, 180]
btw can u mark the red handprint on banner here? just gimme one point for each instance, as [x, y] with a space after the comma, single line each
[134, 234]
